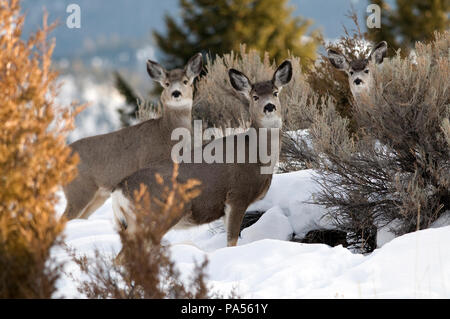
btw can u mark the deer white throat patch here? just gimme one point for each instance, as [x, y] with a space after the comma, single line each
[271, 121]
[180, 103]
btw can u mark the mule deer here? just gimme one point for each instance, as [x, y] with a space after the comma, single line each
[107, 159]
[227, 189]
[359, 77]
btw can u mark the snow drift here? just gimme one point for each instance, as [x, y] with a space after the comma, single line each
[266, 265]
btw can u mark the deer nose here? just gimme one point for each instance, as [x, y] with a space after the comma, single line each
[176, 94]
[358, 81]
[269, 107]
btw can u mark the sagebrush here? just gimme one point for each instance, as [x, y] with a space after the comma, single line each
[398, 167]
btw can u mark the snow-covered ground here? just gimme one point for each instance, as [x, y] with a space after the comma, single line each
[266, 265]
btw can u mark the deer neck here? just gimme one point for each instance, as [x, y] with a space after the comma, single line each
[179, 117]
[271, 136]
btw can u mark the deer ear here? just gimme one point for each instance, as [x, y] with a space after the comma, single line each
[240, 82]
[194, 67]
[156, 72]
[379, 52]
[283, 74]
[338, 60]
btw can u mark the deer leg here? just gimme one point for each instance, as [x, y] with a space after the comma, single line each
[99, 198]
[123, 209]
[234, 213]
[79, 194]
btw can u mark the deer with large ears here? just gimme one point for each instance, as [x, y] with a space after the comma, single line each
[107, 159]
[227, 187]
[359, 77]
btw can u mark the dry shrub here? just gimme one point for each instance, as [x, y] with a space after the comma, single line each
[148, 110]
[399, 167]
[34, 159]
[145, 269]
[407, 112]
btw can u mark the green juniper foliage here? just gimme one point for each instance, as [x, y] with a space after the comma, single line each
[131, 98]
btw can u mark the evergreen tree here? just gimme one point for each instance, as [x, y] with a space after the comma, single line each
[410, 21]
[219, 26]
[131, 98]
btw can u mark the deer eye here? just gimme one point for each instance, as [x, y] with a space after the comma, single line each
[366, 71]
[255, 98]
[275, 94]
[167, 84]
[185, 82]
[351, 72]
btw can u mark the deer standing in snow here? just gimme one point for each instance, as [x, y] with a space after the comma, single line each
[108, 158]
[229, 187]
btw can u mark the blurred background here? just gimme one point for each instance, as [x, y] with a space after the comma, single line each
[103, 62]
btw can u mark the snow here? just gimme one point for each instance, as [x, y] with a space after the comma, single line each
[266, 265]
[386, 233]
[443, 220]
[273, 224]
[291, 192]
[101, 115]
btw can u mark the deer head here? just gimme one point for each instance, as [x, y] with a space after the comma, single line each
[264, 104]
[177, 84]
[359, 77]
